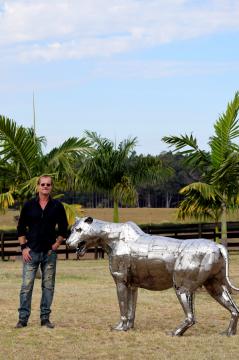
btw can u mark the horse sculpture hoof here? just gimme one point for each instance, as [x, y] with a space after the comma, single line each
[120, 327]
[175, 333]
[170, 333]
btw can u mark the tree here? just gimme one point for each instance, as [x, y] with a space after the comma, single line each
[218, 191]
[113, 169]
[156, 176]
[22, 160]
[182, 174]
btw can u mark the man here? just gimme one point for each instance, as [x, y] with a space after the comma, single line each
[39, 242]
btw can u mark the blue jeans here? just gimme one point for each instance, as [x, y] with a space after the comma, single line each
[48, 269]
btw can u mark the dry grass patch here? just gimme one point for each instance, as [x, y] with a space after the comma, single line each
[138, 215]
[85, 306]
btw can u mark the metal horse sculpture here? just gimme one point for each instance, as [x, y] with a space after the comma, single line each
[158, 263]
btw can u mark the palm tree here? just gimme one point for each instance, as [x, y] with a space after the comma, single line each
[22, 161]
[115, 170]
[106, 168]
[218, 192]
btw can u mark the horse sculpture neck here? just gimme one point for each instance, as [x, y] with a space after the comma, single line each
[109, 231]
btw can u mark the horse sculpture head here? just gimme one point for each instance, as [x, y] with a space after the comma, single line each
[81, 236]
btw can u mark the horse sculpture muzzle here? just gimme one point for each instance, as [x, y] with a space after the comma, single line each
[158, 263]
[81, 248]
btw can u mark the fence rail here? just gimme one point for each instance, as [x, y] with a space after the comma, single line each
[10, 246]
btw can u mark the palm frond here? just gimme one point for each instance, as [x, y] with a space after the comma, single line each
[64, 157]
[96, 140]
[228, 169]
[195, 156]
[127, 146]
[202, 201]
[15, 142]
[6, 200]
[125, 192]
[226, 130]
[72, 211]
[207, 191]
[182, 141]
[39, 140]
[72, 146]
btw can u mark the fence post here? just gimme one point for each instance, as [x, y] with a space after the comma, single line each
[2, 245]
[199, 230]
[67, 252]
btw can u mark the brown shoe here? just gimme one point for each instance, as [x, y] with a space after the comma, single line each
[47, 323]
[21, 324]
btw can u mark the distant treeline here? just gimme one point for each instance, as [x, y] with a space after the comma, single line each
[163, 193]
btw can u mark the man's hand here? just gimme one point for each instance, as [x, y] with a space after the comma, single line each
[56, 245]
[26, 255]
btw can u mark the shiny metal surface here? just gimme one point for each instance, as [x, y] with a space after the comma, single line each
[137, 259]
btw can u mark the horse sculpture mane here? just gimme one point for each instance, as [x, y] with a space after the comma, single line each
[157, 263]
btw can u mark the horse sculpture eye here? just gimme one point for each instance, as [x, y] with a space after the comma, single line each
[79, 230]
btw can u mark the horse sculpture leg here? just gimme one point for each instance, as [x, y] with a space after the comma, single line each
[127, 298]
[221, 294]
[132, 300]
[122, 293]
[186, 299]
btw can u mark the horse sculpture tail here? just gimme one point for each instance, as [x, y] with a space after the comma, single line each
[224, 253]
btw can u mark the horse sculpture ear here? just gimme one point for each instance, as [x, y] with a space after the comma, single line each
[89, 220]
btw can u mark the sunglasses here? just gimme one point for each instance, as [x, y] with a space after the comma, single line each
[45, 184]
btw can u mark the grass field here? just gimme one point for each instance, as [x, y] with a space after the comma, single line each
[138, 215]
[84, 308]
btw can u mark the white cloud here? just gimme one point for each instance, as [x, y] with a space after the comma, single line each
[153, 69]
[63, 29]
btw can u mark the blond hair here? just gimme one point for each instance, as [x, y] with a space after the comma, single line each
[44, 176]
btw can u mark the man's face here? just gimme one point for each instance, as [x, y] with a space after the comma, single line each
[45, 185]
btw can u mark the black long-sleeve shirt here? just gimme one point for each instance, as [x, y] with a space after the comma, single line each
[41, 227]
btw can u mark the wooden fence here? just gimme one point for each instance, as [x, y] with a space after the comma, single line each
[193, 231]
[10, 246]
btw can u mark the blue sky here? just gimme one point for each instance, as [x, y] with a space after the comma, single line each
[122, 68]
